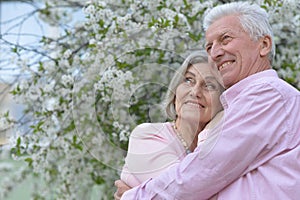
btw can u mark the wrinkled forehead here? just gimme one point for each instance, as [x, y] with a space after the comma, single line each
[200, 69]
[230, 23]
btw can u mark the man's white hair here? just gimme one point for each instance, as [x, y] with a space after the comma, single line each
[253, 18]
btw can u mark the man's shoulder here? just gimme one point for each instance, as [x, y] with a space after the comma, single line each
[274, 85]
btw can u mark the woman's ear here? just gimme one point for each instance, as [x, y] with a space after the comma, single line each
[266, 45]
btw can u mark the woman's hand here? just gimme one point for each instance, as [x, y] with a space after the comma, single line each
[121, 188]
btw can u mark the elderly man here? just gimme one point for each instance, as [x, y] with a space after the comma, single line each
[257, 152]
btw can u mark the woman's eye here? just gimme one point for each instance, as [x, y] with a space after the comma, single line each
[188, 80]
[211, 87]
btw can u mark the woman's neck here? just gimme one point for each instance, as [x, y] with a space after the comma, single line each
[189, 132]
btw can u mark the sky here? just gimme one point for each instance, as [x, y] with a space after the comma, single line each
[12, 14]
[19, 28]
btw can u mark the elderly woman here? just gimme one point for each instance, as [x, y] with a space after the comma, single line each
[191, 102]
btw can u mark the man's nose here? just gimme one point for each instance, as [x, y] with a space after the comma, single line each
[216, 51]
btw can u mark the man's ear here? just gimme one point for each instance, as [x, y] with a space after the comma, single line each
[266, 45]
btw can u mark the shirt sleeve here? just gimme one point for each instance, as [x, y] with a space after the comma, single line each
[248, 130]
[152, 149]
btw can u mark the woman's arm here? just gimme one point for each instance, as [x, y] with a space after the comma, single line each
[152, 149]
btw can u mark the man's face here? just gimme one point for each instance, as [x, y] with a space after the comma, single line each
[233, 54]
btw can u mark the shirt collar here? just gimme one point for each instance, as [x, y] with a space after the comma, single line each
[230, 93]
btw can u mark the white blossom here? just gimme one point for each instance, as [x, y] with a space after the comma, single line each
[51, 104]
[67, 80]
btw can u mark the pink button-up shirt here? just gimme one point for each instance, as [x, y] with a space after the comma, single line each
[253, 154]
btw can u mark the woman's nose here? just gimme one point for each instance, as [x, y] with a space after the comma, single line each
[197, 91]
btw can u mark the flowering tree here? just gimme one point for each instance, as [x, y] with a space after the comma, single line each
[86, 89]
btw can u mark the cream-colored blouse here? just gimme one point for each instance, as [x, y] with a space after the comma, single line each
[153, 148]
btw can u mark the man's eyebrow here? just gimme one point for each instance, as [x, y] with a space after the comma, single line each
[207, 44]
[220, 35]
[225, 32]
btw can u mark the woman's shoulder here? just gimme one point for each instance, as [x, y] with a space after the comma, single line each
[152, 126]
[151, 129]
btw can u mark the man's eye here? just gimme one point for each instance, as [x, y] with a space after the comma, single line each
[226, 39]
[208, 48]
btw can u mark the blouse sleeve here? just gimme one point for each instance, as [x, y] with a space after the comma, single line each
[152, 149]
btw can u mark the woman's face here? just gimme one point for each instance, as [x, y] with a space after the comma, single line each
[197, 97]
